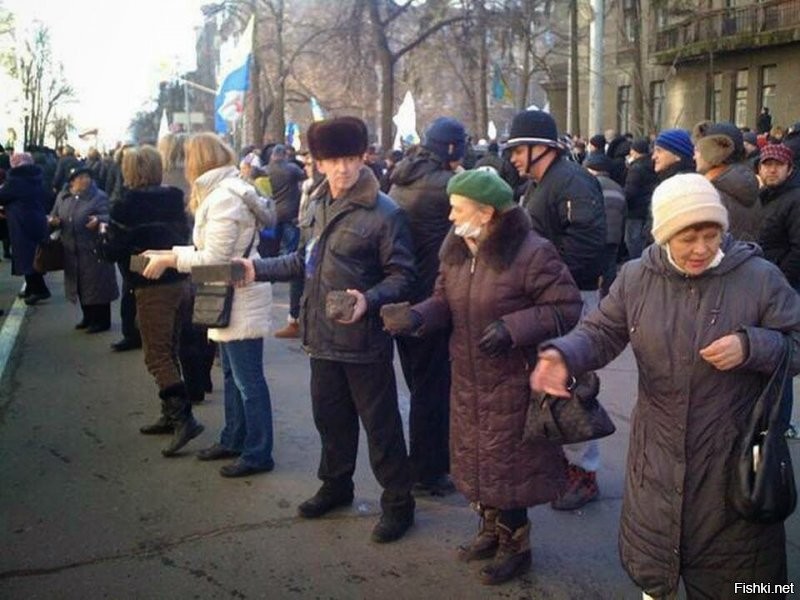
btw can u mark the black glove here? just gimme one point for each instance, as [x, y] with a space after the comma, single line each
[496, 340]
[399, 319]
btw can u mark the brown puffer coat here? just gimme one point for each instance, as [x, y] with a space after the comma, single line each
[677, 519]
[516, 276]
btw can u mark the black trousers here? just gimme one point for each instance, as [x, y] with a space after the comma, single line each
[426, 368]
[34, 284]
[127, 310]
[341, 393]
[97, 314]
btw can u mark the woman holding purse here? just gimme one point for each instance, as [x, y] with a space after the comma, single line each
[707, 317]
[228, 216]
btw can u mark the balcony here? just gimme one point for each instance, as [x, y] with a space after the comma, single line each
[727, 29]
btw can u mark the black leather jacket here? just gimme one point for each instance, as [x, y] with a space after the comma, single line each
[359, 241]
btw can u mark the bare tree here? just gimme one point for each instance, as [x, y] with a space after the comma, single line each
[385, 24]
[60, 128]
[44, 85]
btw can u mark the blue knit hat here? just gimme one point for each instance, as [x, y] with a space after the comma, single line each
[447, 138]
[676, 141]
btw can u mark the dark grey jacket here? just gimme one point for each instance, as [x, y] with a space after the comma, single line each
[685, 425]
[738, 189]
[360, 241]
[419, 186]
[780, 229]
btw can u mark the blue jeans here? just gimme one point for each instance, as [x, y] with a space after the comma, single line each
[248, 409]
[635, 236]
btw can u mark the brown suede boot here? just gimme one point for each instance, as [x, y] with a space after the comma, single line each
[484, 544]
[513, 556]
[291, 331]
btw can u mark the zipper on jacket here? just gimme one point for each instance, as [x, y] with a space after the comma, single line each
[475, 387]
[472, 266]
[569, 211]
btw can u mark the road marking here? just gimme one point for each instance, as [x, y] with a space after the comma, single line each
[10, 331]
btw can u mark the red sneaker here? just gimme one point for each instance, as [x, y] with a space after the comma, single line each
[581, 489]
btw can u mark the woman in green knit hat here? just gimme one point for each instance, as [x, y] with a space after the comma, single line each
[498, 288]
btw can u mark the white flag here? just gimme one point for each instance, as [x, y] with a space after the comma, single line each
[406, 122]
[163, 127]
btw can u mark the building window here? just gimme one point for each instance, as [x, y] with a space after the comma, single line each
[662, 15]
[624, 109]
[629, 21]
[768, 85]
[740, 98]
[658, 97]
[716, 99]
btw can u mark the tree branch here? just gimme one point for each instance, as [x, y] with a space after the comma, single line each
[425, 35]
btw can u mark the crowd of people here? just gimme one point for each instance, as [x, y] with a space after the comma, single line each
[537, 263]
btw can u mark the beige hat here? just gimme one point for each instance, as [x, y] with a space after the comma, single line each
[685, 200]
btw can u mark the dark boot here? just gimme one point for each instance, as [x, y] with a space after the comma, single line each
[513, 555]
[179, 410]
[393, 524]
[162, 426]
[581, 489]
[325, 500]
[484, 544]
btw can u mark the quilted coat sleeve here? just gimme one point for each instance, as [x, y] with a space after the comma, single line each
[780, 314]
[550, 286]
[435, 311]
[603, 334]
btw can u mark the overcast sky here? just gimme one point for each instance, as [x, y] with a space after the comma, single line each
[114, 51]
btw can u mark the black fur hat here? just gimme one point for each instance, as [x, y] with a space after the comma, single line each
[337, 138]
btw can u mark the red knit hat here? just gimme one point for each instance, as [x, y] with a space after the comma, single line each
[779, 152]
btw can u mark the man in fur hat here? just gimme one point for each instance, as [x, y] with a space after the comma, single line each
[358, 241]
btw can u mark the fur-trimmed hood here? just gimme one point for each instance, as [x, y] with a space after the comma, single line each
[506, 235]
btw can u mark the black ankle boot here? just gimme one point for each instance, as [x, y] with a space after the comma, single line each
[179, 411]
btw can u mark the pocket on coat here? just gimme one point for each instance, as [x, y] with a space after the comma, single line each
[351, 242]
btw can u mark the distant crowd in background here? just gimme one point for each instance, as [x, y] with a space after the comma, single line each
[472, 260]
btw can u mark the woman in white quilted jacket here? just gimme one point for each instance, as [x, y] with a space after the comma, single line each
[228, 215]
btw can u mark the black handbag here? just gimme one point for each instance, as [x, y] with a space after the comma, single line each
[763, 488]
[578, 418]
[213, 302]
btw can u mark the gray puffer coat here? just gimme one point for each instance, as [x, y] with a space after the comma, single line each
[677, 519]
[517, 277]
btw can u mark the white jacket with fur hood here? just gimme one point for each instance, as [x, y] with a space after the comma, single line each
[229, 217]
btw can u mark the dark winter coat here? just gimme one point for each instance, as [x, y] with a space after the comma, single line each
[23, 199]
[567, 208]
[65, 165]
[87, 279]
[503, 167]
[676, 514]
[151, 218]
[684, 165]
[419, 186]
[640, 182]
[780, 228]
[359, 241]
[614, 201]
[518, 277]
[738, 189]
[285, 178]
[617, 150]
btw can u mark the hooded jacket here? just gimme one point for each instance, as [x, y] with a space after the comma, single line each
[516, 277]
[227, 222]
[639, 185]
[738, 189]
[780, 228]
[419, 186]
[676, 516]
[359, 241]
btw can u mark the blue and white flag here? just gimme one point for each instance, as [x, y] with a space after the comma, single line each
[316, 110]
[229, 104]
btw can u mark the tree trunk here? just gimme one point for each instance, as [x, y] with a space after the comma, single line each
[386, 61]
[279, 117]
[483, 59]
[642, 117]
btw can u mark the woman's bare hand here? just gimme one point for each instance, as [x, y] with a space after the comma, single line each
[725, 353]
[550, 375]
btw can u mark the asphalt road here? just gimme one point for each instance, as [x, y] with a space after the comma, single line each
[90, 509]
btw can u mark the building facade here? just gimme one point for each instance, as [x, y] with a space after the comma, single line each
[673, 63]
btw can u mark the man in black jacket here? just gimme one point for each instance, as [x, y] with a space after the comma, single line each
[566, 206]
[419, 186]
[639, 185]
[357, 241]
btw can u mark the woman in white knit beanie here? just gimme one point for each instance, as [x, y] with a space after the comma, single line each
[708, 319]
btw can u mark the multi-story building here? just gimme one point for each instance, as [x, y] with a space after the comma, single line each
[672, 63]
